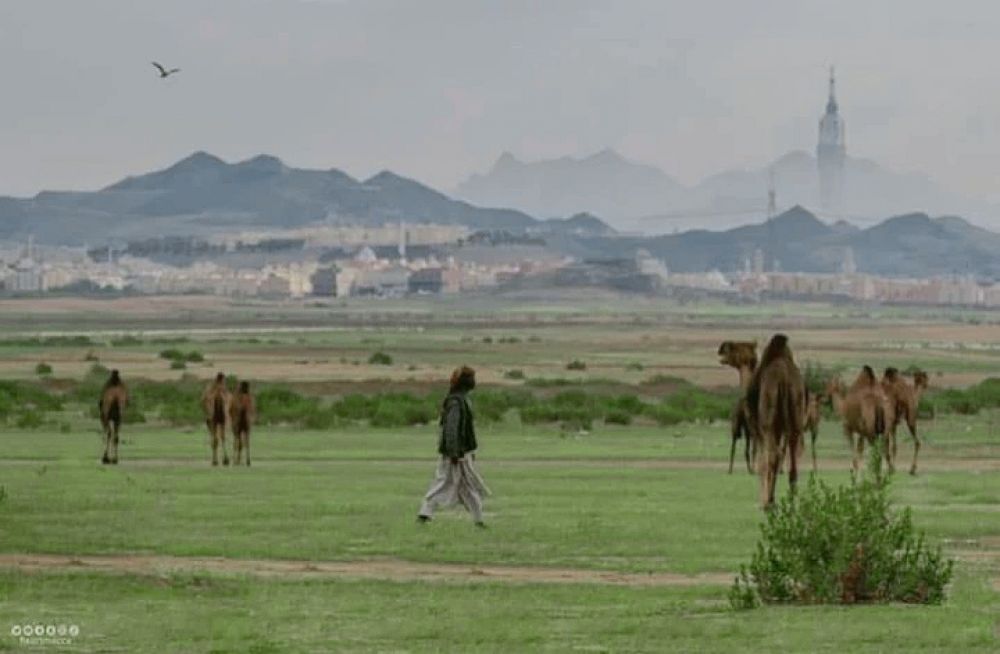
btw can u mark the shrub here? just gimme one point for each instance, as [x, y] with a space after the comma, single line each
[30, 419]
[617, 417]
[514, 374]
[172, 354]
[576, 364]
[841, 545]
[43, 369]
[380, 359]
[90, 356]
[177, 365]
[635, 365]
[194, 357]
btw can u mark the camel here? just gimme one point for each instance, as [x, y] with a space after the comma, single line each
[810, 420]
[242, 414]
[775, 399]
[111, 408]
[866, 413]
[741, 355]
[215, 402]
[905, 399]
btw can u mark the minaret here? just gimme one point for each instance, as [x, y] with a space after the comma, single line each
[831, 152]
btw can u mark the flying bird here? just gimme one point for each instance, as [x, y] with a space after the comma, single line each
[164, 72]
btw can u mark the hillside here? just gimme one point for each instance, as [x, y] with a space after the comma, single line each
[202, 194]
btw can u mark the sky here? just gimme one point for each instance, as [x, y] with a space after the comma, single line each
[436, 90]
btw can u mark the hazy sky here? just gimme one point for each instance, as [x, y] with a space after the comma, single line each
[436, 90]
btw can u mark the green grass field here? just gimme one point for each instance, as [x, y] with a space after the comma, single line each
[619, 538]
[618, 499]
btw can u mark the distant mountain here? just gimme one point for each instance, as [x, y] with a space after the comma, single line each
[605, 184]
[908, 245]
[202, 194]
[636, 197]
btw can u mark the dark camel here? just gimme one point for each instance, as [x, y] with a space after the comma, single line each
[242, 414]
[776, 400]
[215, 402]
[111, 407]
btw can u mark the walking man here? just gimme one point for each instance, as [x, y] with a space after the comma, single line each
[456, 479]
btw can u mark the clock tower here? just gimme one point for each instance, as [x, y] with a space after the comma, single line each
[831, 152]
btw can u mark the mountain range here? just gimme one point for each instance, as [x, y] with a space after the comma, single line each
[913, 245]
[642, 198]
[202, 194]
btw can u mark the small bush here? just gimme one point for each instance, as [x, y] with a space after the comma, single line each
[618, 417]
[178, 365]
[30, 419]
[576, 364]
[171, 354]
[194, 357]
[90, 356]
[380, 359]
[43, 369]
[841, 546]
[635, 365]
[514, 374]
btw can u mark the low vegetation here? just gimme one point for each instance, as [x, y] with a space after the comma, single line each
[842, 545]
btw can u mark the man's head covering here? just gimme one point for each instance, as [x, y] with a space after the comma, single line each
[463, 379]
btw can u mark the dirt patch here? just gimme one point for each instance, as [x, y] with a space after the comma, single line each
[388, 569]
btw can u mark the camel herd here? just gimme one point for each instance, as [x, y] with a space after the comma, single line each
[222, 409]
[775, 409]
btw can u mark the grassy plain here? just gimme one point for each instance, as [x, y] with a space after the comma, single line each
[637, 500]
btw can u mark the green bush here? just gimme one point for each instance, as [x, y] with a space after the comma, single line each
[841, 545]
[616, 417]
[634, 365]
[177, 365]
[30, 419]
[380, 359]
[194, 357]
[514, 374]
[171, 354]
[576, 364]
[43, 369]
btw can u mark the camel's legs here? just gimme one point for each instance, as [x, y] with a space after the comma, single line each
[222, 443]
[107, 443]
[859, 453]
[114, 443]
[246, 445]
[214, 436]
[794, 447]
[912, 424]
[815, 432]
[732, 454]
[237, 448]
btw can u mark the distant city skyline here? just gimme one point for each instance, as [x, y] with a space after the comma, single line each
[437, 90]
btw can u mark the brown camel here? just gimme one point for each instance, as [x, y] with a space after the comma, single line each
[215, 402]
[741, 355]
[865, 411]
[111, 407]
[775, 398]
[906, 400]
[810, 420]
[242, 414]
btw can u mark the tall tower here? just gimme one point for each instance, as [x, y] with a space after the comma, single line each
[831, 152]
